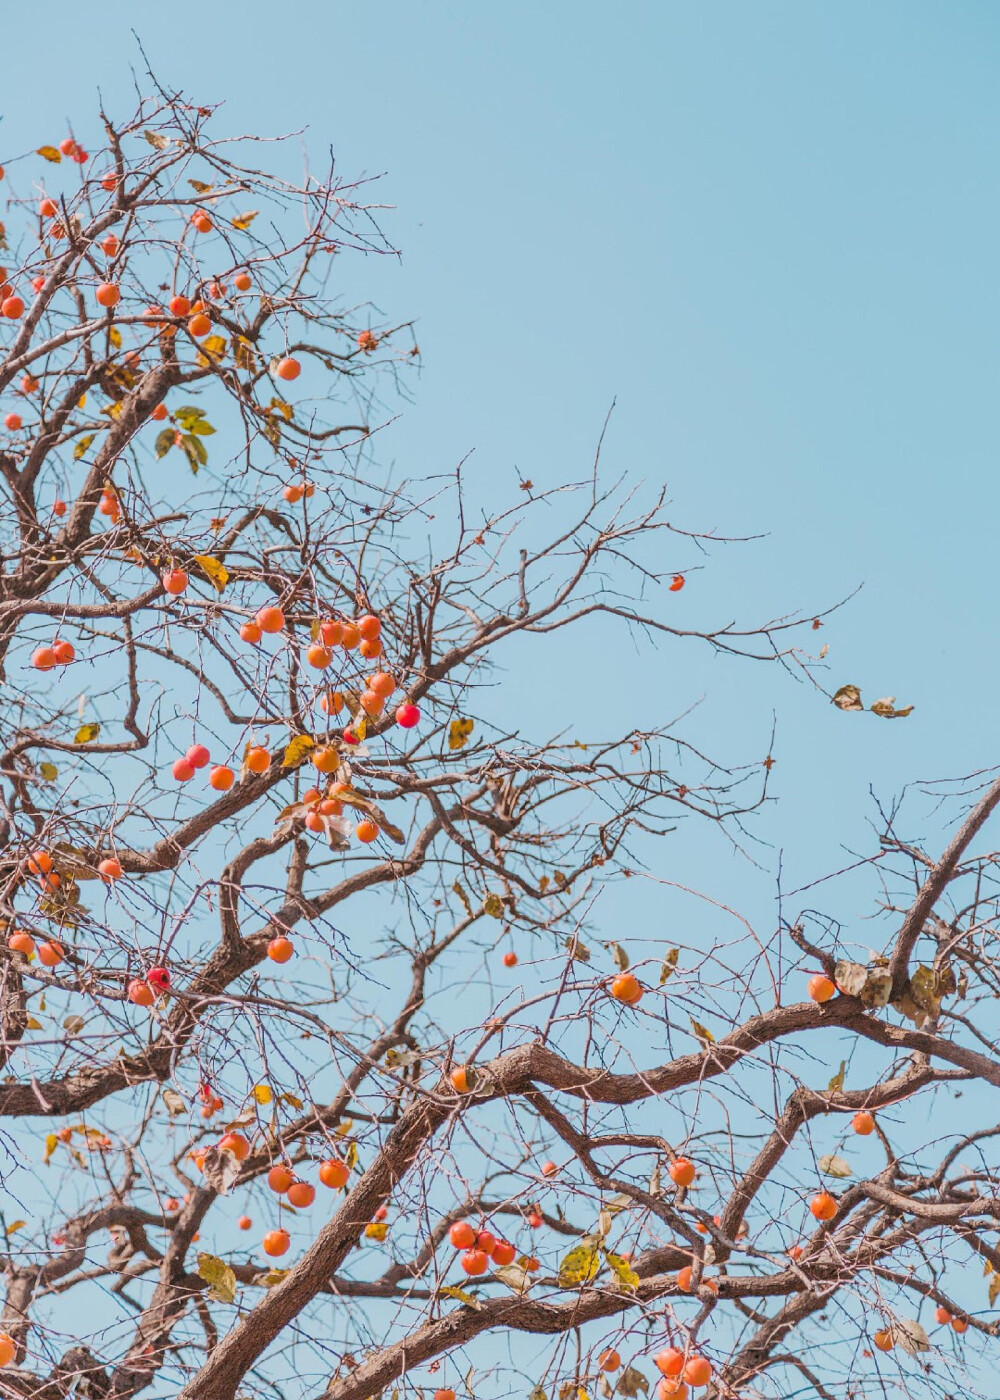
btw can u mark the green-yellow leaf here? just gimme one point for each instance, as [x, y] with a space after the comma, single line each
[625, 1275]
[836, 1084]
[83, 445]
[115, 337]
[48, 771]
[493, 905]
[243, 221]
[50, 153]
[86, 733]
[458, 733]
[579, 1266]
[194, 451]
[272, 1277]
[219, 1276]
[460, 1295]
[705, 1036]
[200, 187]
[296, 751]
[164, 441]
[214, 571]
[51, 1143]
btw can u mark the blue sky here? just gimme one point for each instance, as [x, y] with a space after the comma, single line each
[768, 232]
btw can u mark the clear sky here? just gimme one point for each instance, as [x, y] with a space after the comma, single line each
[768, 231]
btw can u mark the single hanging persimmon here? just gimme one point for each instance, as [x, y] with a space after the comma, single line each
[21, 942]
[221, 778]
[276, 1242]
[823, 1206]
[237, 1144]
[462, 1235]
[697, 1370]
[682, 1171]
[110, 869]
[288, 368]
[258, 759]
[199, 325]
[280, 949]
[474, 1262]
[279, 1178]
[159, 413]
[407, 716]
[270, 619]
[108, 295]
[65, 651]
[251, 632]
[676, 583]
[366, 830]
[863, 1124]
[182, 770]
[141, 993]
[178, 306]
[883, 1339]
[821, 988]
[609, 1360]
[242, 281]
[669, 1362]
[12, 421]
[8, 1349]
[244, 1222]
[510, 959]
[503, 1253]
[174, 581]
[333, 1173]
[44, 659]
[197, 755]
[627, 989]
[301, 1194]
[319, 656]
[50, 954]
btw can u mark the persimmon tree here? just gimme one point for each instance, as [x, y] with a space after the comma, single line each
[326, 1072]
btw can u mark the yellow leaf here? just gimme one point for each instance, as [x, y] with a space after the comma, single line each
[297, 750]
[458, 732]
[50, 153]
[219, 1276]
[351, 1155]
[623, 1271]
[243, 221]
[376, 1230]
[215, 572]
[212, 348]
[269, 1279]
[82, 402]
[17, 1225]
[81, 447]
[262, 1093]
[115, 336]
[994, 1288]
[112, 410]
[48, 771]
[579, 1266]
[200, 187]
[669, 964]
[704, 1035]
[34, 1024]
[292, 1099]
[158, 142]
[51, 1143]
[280, 406]
[342, 1129]
[86, 733]
[460, 1295]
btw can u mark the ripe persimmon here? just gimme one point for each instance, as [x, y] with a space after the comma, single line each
[110, 869]
[823, 1206]
[319, 656]
[609, 1360]
[292, 493]
[684, 1278]
[178, 306]
[332, 632]
[669, 1362]
[237, 1144]
[821, 988]
[244, 1222]
[682, 1171]
[366, 830]
[182, 770]
[627, 989]
[270, 619]
[671, 1388]
[279, 1178]
[863, 1123]
[535, 1220]
[510, 959]
[197, 755]
[460, 1081]
[65, 651]
[381, 684]
[21, 942]
[276, 1242]
[301, 1194]
[503, 1253]
[44, 659]
[697, 1370]
[8, 1349]
[325, 759]
[369, 627]
[288, 368]
[174, 581]
[108, 295]
[350, 636]
[959, 1324]
[242, 281]
[474, 1262]
[370, 650]
[221, 778]
[258, 759]
[50, 954]
[199, 325]
[12, 421]
[58, 507]
[141, 993]
[444, 1394]
[12, 307]
[159, 413]
[333, 1172]
[251, 632]
[407, 716]
[280, 949]
[942, 1315]
[676, 583]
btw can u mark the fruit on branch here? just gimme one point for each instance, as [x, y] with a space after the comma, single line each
[823, 1206]
[107, 294]
[609, 1360]
[141, 993]
[21, 942]
[8, 1349]
[44, 659]
[244, 1222]
[242, 280]
[270, 619]
[669, 1362]
[280, 949]
[279, 1178]
[333, 1173]
[627, 989]
[257, 759]
[197, 755]
[462, 1235]
[158, 978]
[407, 715]
[251, 631]
[12, 422]
[510, 959]
[50, 954]
[199, 325]
[676, 583]
[276, 1242]
[288, 368]
[863, 1123]
[366, 830]
[503, 1253]
[221, 778]
[821, 988]
[301, 1194]
[237, 1144]
[182, 770]
[110, 869]
[883, 1339]
[549, 1169]
[697, 1370]
[474, 1262]
[175, 581]
[682, 1171]
[65, 652]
